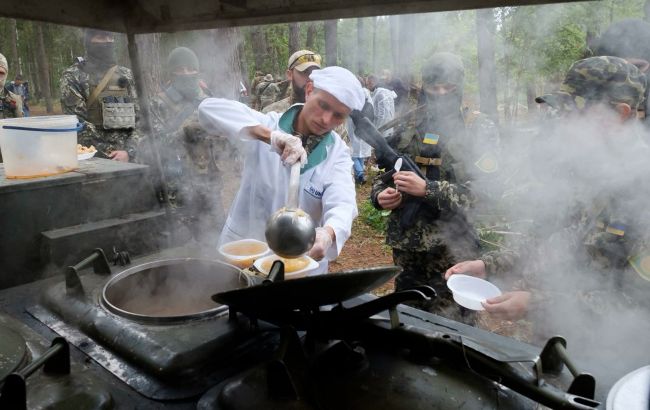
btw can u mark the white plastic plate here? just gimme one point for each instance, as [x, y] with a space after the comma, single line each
[86, 155]
[469, 291]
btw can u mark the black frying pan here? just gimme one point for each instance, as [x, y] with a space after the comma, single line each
[309, 292]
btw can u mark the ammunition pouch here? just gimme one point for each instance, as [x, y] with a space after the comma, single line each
[428, 161]
[118, 115]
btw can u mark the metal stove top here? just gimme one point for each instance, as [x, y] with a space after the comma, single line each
[217, 362]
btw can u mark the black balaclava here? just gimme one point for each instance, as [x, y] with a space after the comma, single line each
[100, 55]
[443, 111]
[186, 84]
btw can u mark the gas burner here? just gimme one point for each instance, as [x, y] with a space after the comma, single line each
[35, 377]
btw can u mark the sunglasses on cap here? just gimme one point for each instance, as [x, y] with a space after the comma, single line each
[307, 58]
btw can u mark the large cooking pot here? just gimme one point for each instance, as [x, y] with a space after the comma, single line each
[170, 290]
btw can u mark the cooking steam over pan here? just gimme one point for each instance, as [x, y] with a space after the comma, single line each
[170, 290]
[309, 292]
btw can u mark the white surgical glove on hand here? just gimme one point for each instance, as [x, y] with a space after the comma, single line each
[321, 244]
[289, 147]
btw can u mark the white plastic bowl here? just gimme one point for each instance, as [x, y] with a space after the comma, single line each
[239, 259]
[469, 291]
[311, 265]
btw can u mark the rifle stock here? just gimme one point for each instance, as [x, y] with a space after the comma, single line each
[386, 158]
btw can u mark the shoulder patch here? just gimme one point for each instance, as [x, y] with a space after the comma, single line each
[431, 138]
[641, 264]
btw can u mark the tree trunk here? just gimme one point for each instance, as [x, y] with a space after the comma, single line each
[394, 39]
[44, 66]
[331, 57]
[311, 35]
[374, 44]
[406, 48]
[258, 43]
[149, 51]
[294, 37]
[15, 63]
[530, 100]
[485, 28]
[362, 50]
[221, 71]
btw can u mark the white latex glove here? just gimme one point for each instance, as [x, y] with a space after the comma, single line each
[289, 147]
[321, 244]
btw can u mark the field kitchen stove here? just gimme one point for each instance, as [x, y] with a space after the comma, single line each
[313, 343]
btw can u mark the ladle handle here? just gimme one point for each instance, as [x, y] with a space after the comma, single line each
[294, 186]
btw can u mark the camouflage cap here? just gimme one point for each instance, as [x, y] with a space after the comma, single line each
[443, 67]
[303, 59]
[598, 79]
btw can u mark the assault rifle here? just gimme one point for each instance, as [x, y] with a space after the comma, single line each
[386, 158]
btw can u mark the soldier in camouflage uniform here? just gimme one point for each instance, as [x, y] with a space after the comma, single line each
[440, 234]
[102, 95]
[607, 238]
[300, 65]
[11, 105]
[188, 155]
[254, 97]
[267, 91]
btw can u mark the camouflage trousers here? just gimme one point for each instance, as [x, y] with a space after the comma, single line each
[428, 268]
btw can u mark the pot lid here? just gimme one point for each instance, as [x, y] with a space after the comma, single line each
[631, 392]
[13, 351]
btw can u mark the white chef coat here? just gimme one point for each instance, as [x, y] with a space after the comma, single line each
[327, 191]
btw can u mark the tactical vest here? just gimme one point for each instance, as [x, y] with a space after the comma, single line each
[114, 108]
[10, 104]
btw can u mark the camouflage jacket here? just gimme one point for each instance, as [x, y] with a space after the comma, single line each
[11, 105]
[185, 149]
[76, 84]
[442, 216]
[268, 93]
[602, 256]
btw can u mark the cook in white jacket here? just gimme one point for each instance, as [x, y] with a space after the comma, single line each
[326, 186]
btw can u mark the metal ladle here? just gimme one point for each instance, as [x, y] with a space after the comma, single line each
[290, 231]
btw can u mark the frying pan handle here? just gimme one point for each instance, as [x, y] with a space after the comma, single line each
[294, 186]
[373, 307]
[276, 274]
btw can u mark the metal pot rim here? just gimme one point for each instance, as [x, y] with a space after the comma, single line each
[105, 302]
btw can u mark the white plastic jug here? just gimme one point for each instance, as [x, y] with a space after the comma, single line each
[39, 146]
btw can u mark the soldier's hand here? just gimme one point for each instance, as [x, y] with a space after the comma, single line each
[389, 198]
[289, 147]
[510, 305]
[121, 156]
[410, 183]
[472, 268]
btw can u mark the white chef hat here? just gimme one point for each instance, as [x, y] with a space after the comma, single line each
[342, 84]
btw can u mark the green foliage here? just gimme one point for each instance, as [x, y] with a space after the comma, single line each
[372, 216]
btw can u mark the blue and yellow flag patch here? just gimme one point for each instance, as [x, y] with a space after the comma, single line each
[616, 228]
[641, 264]
[487, 163]
[430, 138]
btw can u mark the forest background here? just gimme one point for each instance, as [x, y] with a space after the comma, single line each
[511, 54]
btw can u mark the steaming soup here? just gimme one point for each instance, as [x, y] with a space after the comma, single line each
[244, 249]
[290, 265]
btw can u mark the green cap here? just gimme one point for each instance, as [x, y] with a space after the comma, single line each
[598, 79]
[182, 57]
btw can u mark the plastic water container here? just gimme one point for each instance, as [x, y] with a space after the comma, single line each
[35, 147]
